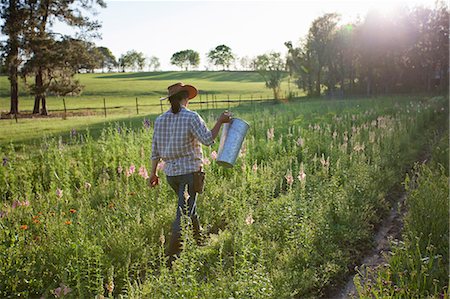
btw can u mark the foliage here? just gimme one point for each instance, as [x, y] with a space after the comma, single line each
[106, 59]
[185, 59]
[379, 54]
[417, 266]
[297, 209]
[221, 56]
[132, 60]
[273, 69]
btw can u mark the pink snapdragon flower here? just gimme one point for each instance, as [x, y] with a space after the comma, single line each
[213, 155]
[143, 172]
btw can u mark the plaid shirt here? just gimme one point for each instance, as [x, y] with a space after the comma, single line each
[176, 140]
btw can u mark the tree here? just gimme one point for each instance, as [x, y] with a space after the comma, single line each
[153, 63]
[132, 60]
[273, 69]
[300, 64]
[319, 43]
[40, 40]
[185, 59]
[221, 56]
[14, 15]
[107, 59]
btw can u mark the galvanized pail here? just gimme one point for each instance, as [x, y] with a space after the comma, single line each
[233, 135]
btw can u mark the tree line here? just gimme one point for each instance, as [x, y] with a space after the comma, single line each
[377, 55]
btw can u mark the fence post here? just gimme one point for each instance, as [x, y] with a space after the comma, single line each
[240, 96]
[160, 102]
[65, 110]
[104, 105]
[228, 96]
[201, 101]
[137, 106]
[207, 103]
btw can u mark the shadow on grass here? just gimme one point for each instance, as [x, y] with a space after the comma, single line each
[225, 76]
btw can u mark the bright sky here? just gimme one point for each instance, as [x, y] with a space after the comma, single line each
[249, 28]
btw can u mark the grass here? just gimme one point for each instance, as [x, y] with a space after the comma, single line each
[76, 217]
[120, 90]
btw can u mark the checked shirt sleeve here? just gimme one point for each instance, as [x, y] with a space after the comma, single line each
[201, 131]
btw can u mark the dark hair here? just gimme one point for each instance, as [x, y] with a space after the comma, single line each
[175, 100]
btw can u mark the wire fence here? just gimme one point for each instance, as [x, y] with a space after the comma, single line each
[139, 105]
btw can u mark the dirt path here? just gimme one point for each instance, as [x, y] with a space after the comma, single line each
[390, 229]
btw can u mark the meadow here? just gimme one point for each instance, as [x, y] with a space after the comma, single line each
[120, 91]
[290, 220]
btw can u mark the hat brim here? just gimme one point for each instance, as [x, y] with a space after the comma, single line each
[192, 92]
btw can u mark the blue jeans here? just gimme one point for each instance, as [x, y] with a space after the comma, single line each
[179, 184]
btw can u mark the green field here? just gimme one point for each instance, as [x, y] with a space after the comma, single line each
[121, 90]
[290, 220]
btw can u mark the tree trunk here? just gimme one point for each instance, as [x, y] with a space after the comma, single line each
[13, 58]
[44, 106]
[14, 86]
[38, 81]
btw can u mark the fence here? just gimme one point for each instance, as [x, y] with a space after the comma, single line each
[202, 101]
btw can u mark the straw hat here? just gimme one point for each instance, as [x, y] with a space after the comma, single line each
[178, 87]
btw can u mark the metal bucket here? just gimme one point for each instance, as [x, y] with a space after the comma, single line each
[233, 135]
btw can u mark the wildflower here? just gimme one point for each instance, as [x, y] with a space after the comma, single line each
[255, 167]
[300, 142]
[127, 173]
[36, 221]
[73, 133]
[147, 123]
[24, 227]
[289, 178]
[270, 133]
[249, 220]
[359, 147]
[143, 172]
[119, 130]
[110, 286]
[334, 135]
[162, 238]
[301, 175]
[325, 163]
[59, 193]
[186, 195]
[25, 203]
[2, 214]
[160, 165]
[87, 185]
[4, 161]
[119, 169]
[15, 204]
[132, 169]
[213, 155]
[72, 211]
[61, 291]
[206, 161]
[68, 222]
[243, 150]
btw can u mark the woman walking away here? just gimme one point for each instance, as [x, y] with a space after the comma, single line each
[177, 140]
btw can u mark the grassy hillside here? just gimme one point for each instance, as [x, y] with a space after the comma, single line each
[121, 89]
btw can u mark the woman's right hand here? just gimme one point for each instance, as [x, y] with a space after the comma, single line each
[225, 117]
[153, 180]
